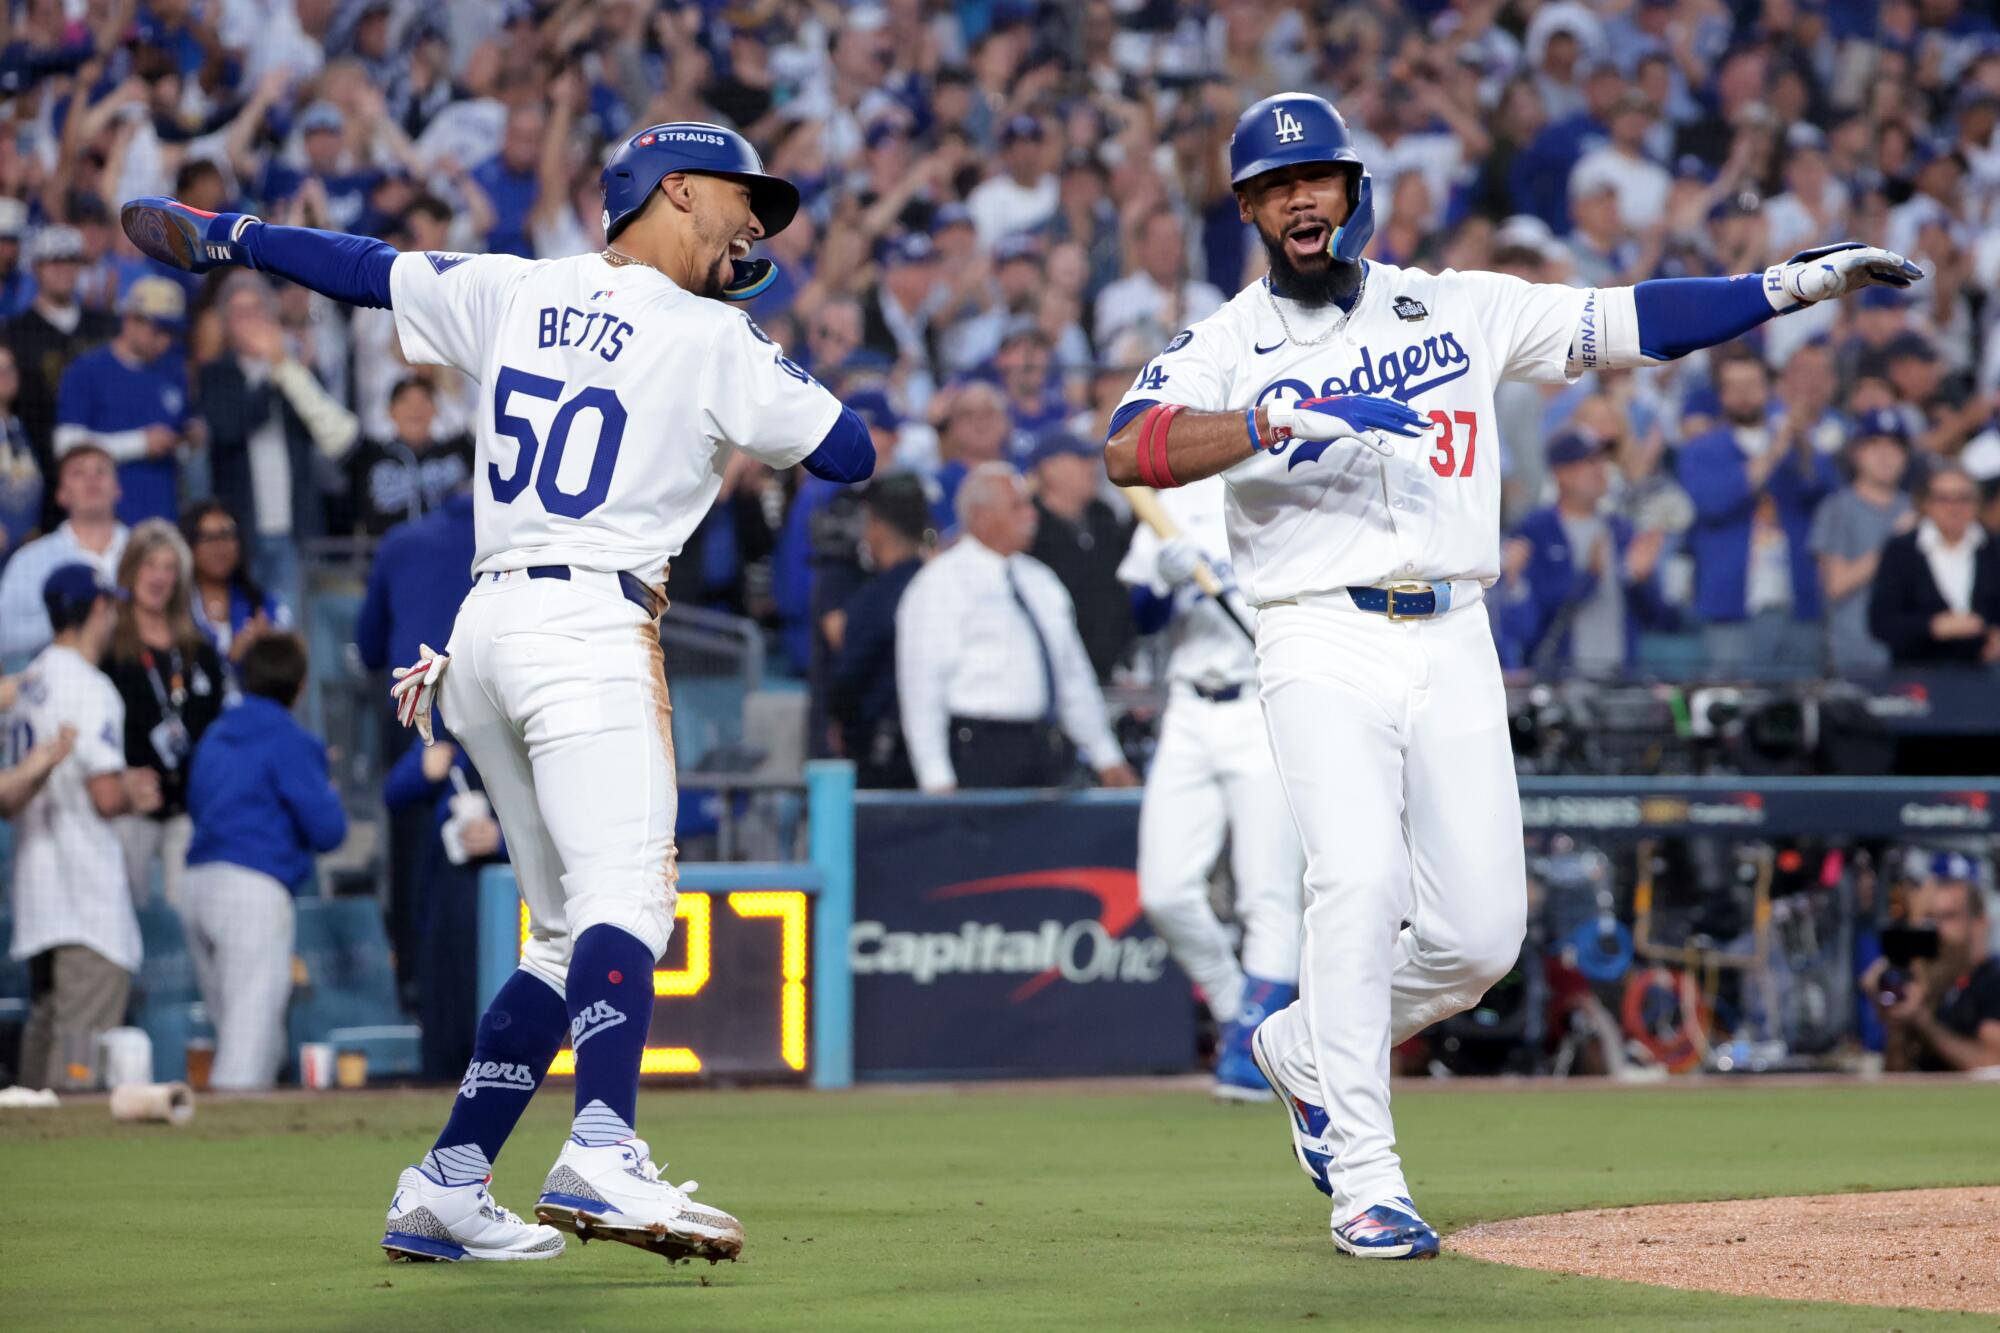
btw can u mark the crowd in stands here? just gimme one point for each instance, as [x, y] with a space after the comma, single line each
[1010, 207]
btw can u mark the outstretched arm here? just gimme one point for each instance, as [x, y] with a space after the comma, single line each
[353, 269]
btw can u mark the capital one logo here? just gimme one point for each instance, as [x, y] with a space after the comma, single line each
[1289, 129]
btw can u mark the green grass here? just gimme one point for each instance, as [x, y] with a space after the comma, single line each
[936, 1209]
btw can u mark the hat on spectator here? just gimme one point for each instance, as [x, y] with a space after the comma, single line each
[1881, 298]
[1055, 442]
[1880, 423]
[958, 215]
[53, 245]
[156, 300]
[1804, 137]
[70, 591]
[321, 115]
[1740, 204]
[1909, 345]
[1016, 245]
[1592, 178]
[885, 127]
[1690, 167]
[909, 248]
[1572, 447]
[1019, 128]
[874, 408]
[899, 501]
[1020, 327]
[13, 219]
[1955, 866]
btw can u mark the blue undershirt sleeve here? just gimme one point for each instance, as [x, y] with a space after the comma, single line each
[1682, 315]
[846, 453]
[1125, 414]
[353, 269]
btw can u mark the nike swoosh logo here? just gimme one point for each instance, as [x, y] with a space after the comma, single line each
[1262, 351]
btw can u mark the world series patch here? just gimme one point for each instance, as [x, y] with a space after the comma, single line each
[1410, 308]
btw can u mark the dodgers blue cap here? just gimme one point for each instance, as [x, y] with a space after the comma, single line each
[1572, 447]
[875, 409]
[1019, 128]
[909, 248]
[1057, 441]
[1954, 866]
[1882, 421]
[70, 591]
[1881, 298]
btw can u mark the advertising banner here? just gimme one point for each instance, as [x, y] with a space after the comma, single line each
[1001, 935]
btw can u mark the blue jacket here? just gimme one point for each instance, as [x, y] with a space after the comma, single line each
[106, 397]
[422, 571]
[1557, 577]
[1712, 471]
[260, 796]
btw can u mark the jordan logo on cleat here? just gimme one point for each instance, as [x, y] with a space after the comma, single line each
[597, 1018]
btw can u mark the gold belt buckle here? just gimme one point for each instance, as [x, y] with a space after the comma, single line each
[1408, 589]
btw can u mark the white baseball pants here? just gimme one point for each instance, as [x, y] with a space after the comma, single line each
[1213, 775]
[1391, 738]
[239, 926]
[557, 691]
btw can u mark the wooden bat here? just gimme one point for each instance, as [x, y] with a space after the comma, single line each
[1147, 508]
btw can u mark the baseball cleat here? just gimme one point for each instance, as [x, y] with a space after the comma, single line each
[615, 1193]
[431, 1222]
[1308, 1121]
[1389, 1230]
[187, 238]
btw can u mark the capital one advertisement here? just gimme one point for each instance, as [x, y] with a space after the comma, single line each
[1003, 938]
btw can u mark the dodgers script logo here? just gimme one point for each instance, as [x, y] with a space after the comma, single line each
[1400, 373]
[493, 1074]
[1289, 129]
[600, 1017]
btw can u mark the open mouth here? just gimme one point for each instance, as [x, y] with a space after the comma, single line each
[1306, 238]
[739, 248]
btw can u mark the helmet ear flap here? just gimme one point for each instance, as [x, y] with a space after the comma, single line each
[1353, 235]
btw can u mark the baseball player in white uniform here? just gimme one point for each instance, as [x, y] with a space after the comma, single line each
[1348, 406]
[1213, 776]
[616, 387]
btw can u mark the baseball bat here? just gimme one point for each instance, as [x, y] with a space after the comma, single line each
[1146, 506]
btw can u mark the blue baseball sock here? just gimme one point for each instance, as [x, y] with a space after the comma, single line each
[519, 1035]
[611, 1008]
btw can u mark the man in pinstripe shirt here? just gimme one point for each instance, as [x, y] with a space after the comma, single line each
[73, 919]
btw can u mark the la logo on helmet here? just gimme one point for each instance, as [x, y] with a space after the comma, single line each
[1289, 129]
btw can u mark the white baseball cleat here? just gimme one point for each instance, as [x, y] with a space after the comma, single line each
[615, 1193]
[431, 1222]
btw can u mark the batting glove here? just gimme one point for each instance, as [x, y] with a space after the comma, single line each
[1177, 560]
[1834, 270]
[186, 238]
[416, 688]
[1349, 417]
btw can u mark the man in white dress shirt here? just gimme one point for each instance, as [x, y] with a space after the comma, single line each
[87, 490]
[994, 684]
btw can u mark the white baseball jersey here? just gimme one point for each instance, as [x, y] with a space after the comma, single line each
[1313, 517]
[1204, 647]
[69, 867]
[610, 401]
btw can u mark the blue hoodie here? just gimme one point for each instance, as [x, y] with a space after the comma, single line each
[260, 796]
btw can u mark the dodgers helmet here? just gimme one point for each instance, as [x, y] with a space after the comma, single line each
[1289, 128]
[650, 155]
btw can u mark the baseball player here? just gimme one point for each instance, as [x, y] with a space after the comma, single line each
[1213, 775]
[616, 387]
[1349, 407]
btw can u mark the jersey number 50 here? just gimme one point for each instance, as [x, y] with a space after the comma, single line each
[610, 432]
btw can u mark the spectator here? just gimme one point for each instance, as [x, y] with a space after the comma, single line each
[510, 181]
[1586, 583]
[337, 182]
[1754, 488]
[896, 313]
[1023, 194]
[973, 427]
[87, 490]
[1945, 1016]
[20, 470]
[170, 679]
[1936, 598]
[230, 609]
[1156, 292]
[1847, 537]
[1034, 402]
[1641, 183]
[262, 805]
[898, 537]
[22, 774]
[1082, 540]
[129, 398]
[15, 286]
[73, 921]
[51, 333]
[267, 416]
[990, 671]
[413, 472]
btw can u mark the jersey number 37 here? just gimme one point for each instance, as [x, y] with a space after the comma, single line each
[549, 453]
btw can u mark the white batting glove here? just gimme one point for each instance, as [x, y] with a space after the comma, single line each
[1366, 419]
[416, 689]
[1834, 270]
[1177, 560]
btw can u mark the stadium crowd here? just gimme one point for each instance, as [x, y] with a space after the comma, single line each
[1010, 208]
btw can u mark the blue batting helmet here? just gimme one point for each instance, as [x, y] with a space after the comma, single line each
[651, 155]
[1289, 128]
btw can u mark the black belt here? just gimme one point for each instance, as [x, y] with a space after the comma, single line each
[1223, 694]
[634, 588]
[1405, 601]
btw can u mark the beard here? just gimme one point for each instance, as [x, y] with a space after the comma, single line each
[1329, 283]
